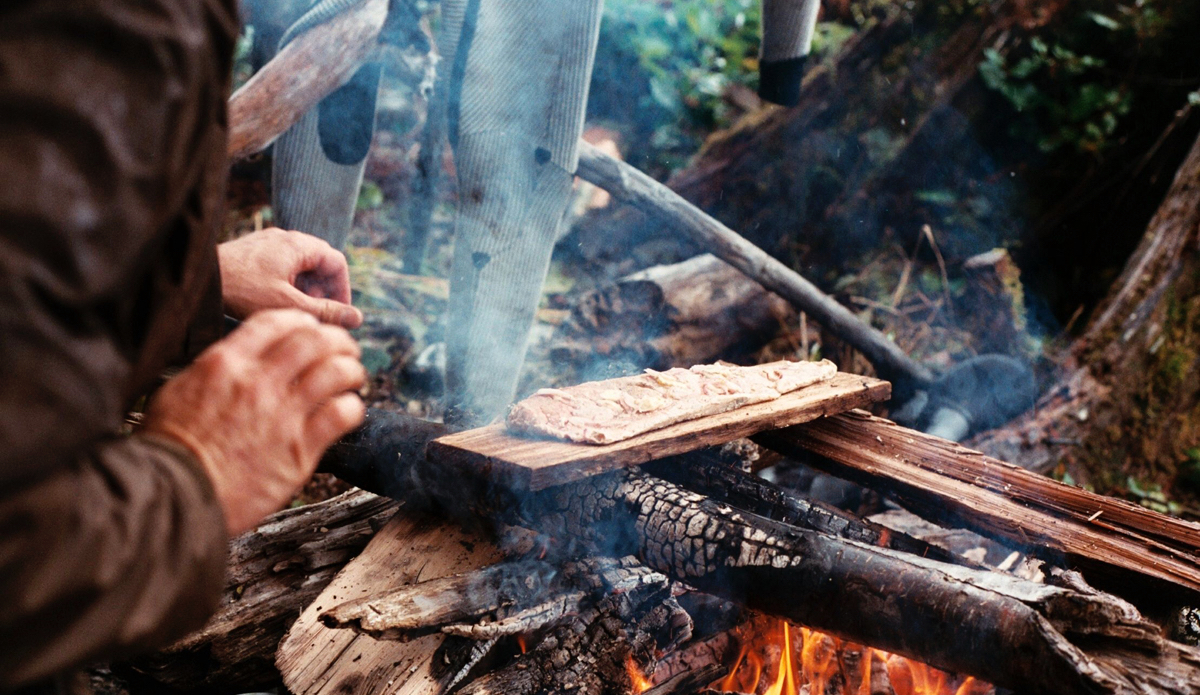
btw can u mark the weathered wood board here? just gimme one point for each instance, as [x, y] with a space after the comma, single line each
[527, 463]
[1113, 541]
[316, 660]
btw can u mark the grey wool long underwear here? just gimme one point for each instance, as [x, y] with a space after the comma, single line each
[523, 69]
[318, 163]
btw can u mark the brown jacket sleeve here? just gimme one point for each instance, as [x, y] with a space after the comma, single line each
[111, 180]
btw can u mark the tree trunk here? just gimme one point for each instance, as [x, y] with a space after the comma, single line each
[1127, 401]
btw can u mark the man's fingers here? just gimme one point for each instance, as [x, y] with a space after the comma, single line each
[263, 329]
[331, 377]
[330, 311]
[333, 419]
[324, 267]
[298, 351]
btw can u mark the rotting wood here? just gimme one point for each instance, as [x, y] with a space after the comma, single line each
[1112, 541]
[524, 463]
[308, 69]
[666, 316]
[315, 660]
[272, 573]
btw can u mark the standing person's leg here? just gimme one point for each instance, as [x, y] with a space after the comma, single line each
[318, 163]
[788, 27]
[525, 66]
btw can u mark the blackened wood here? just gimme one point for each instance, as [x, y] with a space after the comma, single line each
[631, 186]
[1067, 638]
[1116, 543]
[273, 572]
[710, 477]
[689, 681]
[525, 463]
[591, 653]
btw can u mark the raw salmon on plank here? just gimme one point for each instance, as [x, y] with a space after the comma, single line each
[603, 412]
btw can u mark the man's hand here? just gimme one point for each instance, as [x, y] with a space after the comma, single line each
[260, 407]
[278, 269]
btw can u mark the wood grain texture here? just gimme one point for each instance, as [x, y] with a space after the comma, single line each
[1113, 541]
[527, 463]
[316, 660]
[308, 69]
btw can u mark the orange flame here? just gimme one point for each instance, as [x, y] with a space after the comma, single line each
[775, 658]
[638, 682]
[521, 643]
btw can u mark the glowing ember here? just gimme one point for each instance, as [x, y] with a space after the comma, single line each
[776, 658]
[638, 682]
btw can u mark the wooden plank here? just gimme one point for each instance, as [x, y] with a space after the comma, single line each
[316, 660]
[527, 463]
[1111, 540]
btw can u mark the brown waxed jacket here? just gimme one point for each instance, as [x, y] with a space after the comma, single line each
[112, 175]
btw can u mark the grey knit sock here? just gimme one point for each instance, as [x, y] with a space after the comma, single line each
[525, 67]
[788, 27]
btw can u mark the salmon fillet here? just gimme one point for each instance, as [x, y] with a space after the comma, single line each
[603, 412]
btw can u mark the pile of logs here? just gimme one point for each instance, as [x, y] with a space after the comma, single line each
[594, 567]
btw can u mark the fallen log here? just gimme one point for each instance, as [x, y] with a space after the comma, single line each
[273, 572]
[633, 187]
[677, 315]
[1147, 556]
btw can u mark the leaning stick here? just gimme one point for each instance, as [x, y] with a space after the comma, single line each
[306, 71]
[631, 186]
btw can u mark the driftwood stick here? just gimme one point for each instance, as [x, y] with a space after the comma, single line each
[629, 185]
[306, 71]
[1116, 543]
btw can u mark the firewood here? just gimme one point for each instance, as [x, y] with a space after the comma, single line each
[1066, 637]
[314, 660]
[701, 472]
[1115, 543]
[273, 572]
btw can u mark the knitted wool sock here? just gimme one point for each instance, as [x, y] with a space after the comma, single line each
[788, 27]
[525, 67]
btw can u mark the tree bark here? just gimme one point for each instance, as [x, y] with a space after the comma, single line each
[1127, 400]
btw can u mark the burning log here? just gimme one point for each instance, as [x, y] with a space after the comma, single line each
[1115, 543]
[672, 316]
[1067, 637]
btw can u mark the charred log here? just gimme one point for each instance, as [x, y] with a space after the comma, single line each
[1068, 638]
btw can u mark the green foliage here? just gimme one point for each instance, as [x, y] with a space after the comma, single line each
[1061, 84]
[668, 66]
